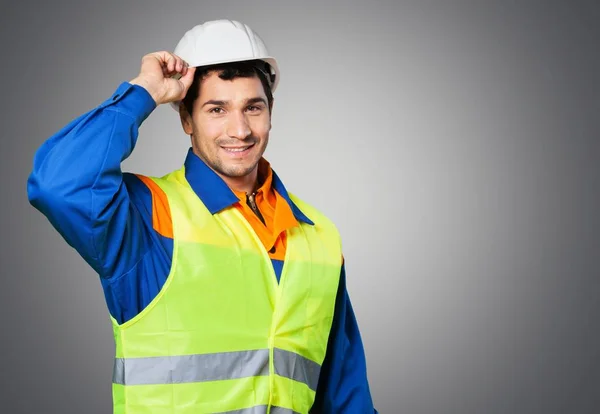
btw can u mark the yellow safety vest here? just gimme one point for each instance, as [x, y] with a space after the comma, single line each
[223, 336]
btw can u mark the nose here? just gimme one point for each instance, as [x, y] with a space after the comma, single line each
[237, 126]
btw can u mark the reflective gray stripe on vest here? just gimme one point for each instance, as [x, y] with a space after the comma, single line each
[291, 365]
[279, 410]
[215, 367]
[191, 368]
[261, 409]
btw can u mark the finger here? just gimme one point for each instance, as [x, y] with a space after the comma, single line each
[180, 67]
[167, 60]
[151, 62]
[187, 79]
[162, 57]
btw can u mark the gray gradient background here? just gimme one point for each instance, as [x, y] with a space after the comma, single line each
[454, 143]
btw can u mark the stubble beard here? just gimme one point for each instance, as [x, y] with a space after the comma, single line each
[231, 171]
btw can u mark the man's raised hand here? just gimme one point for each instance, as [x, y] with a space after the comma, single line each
[165, 76]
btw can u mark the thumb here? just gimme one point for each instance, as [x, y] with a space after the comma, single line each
[187, 79]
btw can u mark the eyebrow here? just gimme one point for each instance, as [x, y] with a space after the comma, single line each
[224, 103]
[256, 100]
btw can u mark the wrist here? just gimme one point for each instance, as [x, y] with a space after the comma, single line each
[149, 87]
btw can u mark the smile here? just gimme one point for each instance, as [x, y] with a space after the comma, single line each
[238, 150]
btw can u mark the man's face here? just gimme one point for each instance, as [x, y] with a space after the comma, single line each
[230, 124]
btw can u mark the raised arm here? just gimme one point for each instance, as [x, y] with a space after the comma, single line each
[77, 181]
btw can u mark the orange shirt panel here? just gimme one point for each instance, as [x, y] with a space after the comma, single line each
[161, 213]
[275, 210]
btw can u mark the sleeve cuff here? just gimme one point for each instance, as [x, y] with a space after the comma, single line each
[132, 100]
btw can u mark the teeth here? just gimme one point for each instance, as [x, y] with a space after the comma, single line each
[236, 149]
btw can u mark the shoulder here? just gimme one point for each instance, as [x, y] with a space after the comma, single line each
[153, 184]
[314, 214]
[323, 227]
[149, 195]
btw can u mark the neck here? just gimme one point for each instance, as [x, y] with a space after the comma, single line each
[247, 184]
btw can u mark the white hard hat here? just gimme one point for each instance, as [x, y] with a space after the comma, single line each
[223, 41]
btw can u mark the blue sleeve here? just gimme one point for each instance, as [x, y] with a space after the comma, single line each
[78, 185]
[343, 386]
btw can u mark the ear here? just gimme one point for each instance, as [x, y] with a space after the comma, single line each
[186, 119]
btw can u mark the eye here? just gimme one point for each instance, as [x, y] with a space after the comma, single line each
[216, 110]
[254, 108]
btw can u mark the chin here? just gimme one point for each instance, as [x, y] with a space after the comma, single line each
[238, 170]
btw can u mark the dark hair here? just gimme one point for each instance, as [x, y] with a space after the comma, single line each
[230, 71]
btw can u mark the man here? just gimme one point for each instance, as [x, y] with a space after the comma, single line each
[226, 293]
